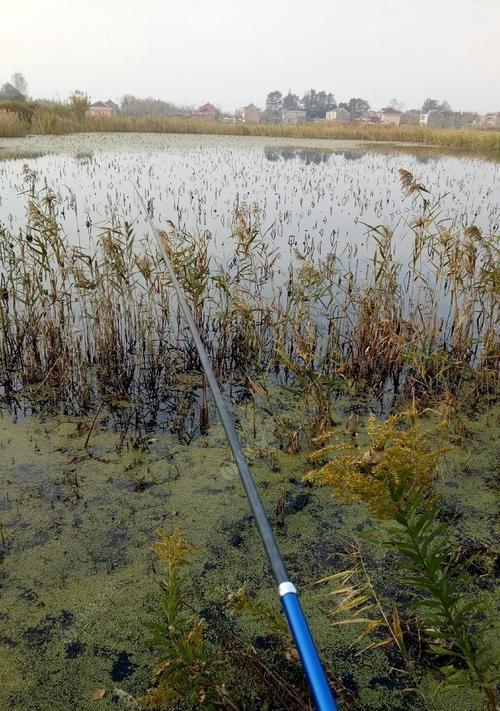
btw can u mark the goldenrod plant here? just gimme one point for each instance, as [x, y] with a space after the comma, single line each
[394, 478]
[186, 669]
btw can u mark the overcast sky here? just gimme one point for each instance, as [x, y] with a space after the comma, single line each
[232, 52]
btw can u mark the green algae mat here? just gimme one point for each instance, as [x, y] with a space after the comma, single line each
[79, 581]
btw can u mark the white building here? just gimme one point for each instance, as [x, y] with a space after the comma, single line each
[491, 120]
[389, 116]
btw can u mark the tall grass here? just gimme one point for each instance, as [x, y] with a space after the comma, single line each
[11, 126]
[76, 325]
[46, 121]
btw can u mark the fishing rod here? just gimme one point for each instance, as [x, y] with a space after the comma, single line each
[311, 663]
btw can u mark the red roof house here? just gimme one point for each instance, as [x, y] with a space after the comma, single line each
[207, 112]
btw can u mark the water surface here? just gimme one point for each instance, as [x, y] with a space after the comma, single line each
[312, 193]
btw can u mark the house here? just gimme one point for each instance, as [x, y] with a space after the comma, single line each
[101, 108]
[114, 106]
[271, 117]
[491, 120]
[251, 114]
[389, 116]
[339, 115]
[293, 116]
[207, 112]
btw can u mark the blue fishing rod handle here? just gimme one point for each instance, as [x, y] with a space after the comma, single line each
[316, 677]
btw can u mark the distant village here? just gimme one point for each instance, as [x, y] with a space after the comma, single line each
[356, 111]
[314, 106]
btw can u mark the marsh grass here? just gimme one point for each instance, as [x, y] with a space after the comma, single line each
[63, 121]
[11, 126]
[84, 326]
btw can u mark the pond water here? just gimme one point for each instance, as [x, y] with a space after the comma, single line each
[78, 579]
[313, 194]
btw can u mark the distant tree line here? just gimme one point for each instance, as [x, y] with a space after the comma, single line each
[314, 103]
[14, 90]
[441, 115]
[133, 106]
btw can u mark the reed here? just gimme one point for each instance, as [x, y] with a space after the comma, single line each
[51, 121]
[82, 326]
[11, 126]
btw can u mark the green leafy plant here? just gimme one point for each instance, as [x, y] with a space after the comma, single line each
[449, 619]
[187, 669]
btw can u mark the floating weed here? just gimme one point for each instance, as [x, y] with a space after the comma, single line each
[358, 604]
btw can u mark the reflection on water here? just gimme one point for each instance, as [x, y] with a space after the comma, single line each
[307, 155]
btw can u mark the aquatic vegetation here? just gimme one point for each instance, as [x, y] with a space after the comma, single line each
[359, 604]
[303, 330]
[81, 326]
[186, 669]
[398, 466]
[394, 478]
[11, 125]
[449, 618]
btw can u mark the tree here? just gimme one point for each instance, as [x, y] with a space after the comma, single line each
[8, 92]
[274, 102]
[435, 105]
[79, 102]
[358, 108]
[430, 105]
[133, 106]
[19, 83]
[330, 102]
[317, 103]
[291, 101]
[412, 116]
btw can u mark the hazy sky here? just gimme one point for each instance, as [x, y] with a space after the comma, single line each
[232, 52]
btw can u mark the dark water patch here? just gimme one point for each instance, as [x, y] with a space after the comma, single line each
[8, 642]
[41, 635]
[300, 484]
[74, 649]
[27, 595]
[297, 503]
[208, 567]
[235, 539]
[122, 667]
[118, 538]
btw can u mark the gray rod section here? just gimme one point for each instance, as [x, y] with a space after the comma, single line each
[265, 531]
